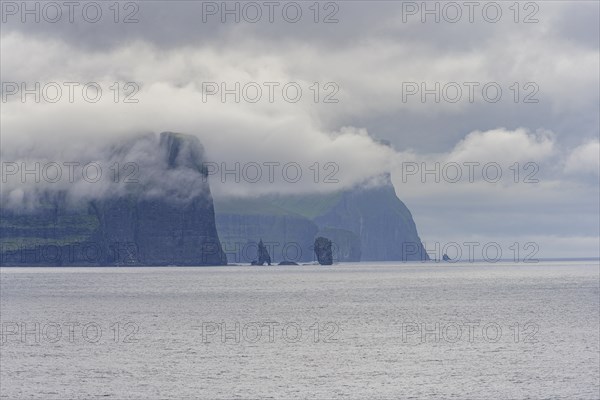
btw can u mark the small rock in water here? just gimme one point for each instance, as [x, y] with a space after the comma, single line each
[323, 251]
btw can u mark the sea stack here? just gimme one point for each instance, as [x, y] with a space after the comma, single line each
[323, 251]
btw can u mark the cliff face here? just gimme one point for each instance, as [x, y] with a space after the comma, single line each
[161, 233]
[369, 224]
[136, 228]
[383, 224]
[243, 222]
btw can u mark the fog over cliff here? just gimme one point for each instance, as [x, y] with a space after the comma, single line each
[81, 172]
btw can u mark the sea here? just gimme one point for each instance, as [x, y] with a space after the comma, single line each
[348, 331]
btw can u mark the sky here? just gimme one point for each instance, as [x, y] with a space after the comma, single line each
[486, 114]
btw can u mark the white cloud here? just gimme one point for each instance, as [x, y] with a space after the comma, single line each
[505, 146]
[584, 159]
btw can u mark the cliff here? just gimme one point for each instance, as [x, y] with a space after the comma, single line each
[364, 224]
[141, 226]
[382, 222]
[242, 222]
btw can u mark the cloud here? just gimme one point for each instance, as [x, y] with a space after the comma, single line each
[502, 145]
[135, 165]
[171, 97]
[504, 185]
[584, 159]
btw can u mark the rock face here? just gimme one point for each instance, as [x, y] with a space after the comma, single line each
[323, 251]
[136, 228]
[364, 224]
[382, 223]
[286, 235]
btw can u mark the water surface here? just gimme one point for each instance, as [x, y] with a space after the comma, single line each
[360, 330]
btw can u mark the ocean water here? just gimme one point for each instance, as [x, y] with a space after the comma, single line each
[359, 331]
